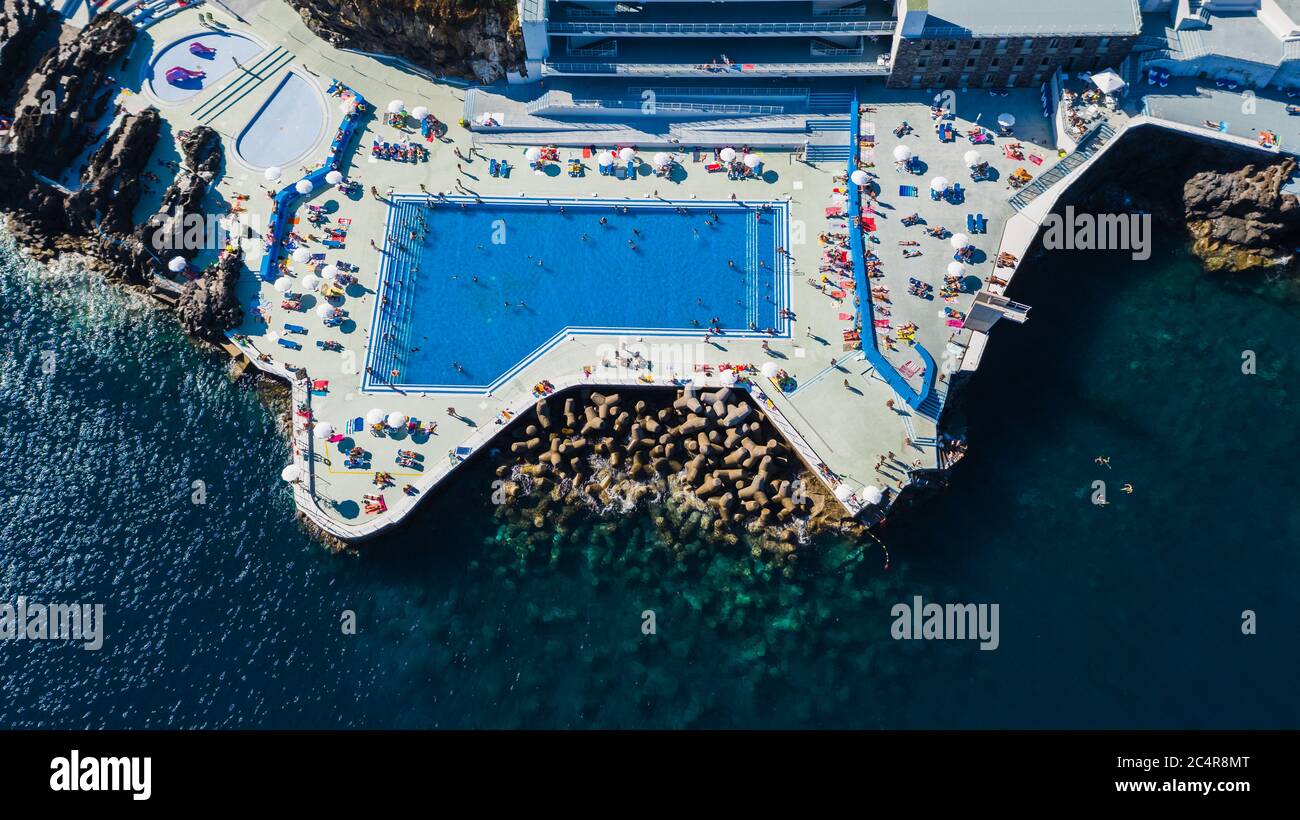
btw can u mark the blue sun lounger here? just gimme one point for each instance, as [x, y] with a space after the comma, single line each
[907, 190]
[631, 170]
[289, 343]
[295, 328]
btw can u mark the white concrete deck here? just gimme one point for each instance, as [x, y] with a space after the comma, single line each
[845, 428]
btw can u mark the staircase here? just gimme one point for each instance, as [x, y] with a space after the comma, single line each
[1091, 143]
[829, 102]
[932, 407]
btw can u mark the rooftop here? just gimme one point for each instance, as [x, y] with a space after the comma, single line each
[991, 18]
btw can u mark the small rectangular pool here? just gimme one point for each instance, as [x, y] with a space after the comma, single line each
[471, 292]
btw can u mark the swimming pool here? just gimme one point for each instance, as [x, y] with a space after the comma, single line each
[230, 48]
[287, 125]
[489, 286]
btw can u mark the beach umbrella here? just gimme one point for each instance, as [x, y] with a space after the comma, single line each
[727, 377]
[1108, 81]
[872, 494]
[375, 416]
[330, 272]
[419, 112]
[283, 284]
[769, 369]
[662, 159]
[311, 281]
[177, 264]
[1006, 120]
[291, 473]
[324, 310]
[301, 255]
[323, 429]
[273, 173]
[955, 268]
[939, 184]
[396, 106]
[752, 161]
[627, 153]
[842, 492]
[334, 177]
[960, 240]
[902, 153]
[727, 154]
[303, 186]
[972, 158]
[860, 177]
[605, 158]
[396, 419]
[533, 154]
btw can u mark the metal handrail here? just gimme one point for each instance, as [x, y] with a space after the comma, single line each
[687, 69]
[723, 28]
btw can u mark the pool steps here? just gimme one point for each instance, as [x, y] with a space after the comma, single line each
[266, 66]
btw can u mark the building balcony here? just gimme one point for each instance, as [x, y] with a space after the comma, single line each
[723, 58]
[742, 19]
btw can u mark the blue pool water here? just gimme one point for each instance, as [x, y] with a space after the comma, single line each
[287, 125]
[537, 278]
[230, 48]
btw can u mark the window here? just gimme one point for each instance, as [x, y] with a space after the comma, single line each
[1027, 45]
[970, 62]
[952, 45]
[925, 46]
[1012, 79]
[1103, 43]
[922, 63]
[946, 62]
[977, 45]
[1078, 43]
[1020, 61]
[941, 80]
[1053, 43]
[1043, 61]
[1002, 44]
[993, 63]
[990, 78]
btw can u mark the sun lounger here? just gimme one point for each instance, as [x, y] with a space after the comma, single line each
[289, 343]
[713, 167]
[907, 190]
[295, 328]
[620, 172]
[631, 170]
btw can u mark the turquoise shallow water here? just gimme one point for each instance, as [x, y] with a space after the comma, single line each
[224, 614]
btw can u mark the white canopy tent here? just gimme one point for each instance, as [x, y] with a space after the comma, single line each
[1108, 81]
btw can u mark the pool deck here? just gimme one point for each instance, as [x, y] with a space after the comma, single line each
[844, 428]
[839, 416]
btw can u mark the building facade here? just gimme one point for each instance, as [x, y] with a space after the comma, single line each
[912, 43]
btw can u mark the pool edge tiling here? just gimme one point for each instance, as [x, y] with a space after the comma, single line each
[392, 335]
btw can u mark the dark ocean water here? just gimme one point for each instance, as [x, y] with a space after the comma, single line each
[224, 614]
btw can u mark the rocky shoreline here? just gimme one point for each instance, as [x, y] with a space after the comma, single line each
[711, 461]
[478, 40]
[1229, 200]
